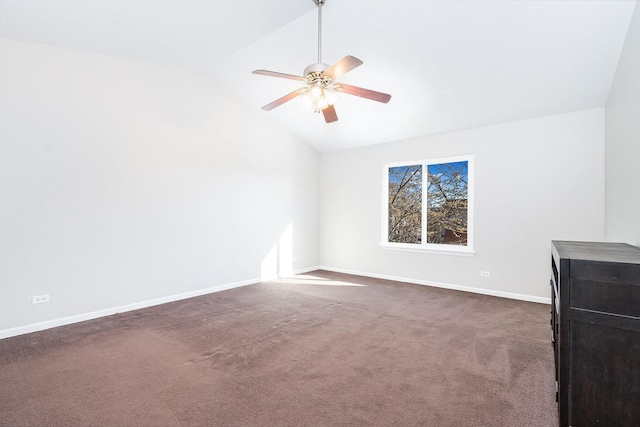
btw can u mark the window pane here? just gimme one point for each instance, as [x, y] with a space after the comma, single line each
[405, 204]
[447, 197]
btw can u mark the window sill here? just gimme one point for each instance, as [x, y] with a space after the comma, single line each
[448, 250]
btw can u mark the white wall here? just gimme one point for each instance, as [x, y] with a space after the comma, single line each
[123, 182]
[623, 143]
[535, 180]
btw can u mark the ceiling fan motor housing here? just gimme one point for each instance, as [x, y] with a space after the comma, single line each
[315, 70]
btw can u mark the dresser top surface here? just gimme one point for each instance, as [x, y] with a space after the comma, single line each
[598, 251]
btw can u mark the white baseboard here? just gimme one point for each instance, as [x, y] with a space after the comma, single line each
[482, 291]
[293, 273]
[307, 270]
[34, 327]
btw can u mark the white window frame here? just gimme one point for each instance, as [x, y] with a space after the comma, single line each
[425, 247]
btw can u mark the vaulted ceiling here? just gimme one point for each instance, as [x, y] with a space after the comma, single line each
[448, 65]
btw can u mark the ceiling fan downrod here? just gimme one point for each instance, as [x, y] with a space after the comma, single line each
[319, 3]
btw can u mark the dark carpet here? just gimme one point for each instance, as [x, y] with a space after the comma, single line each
[321, 349]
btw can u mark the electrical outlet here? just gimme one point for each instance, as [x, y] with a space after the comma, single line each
[39, 299]
[485, 274]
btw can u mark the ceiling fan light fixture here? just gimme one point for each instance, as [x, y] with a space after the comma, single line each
[321, 105]
[329, 97]
[316, 91]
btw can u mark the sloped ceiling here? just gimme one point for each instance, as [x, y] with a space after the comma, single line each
[448, 65]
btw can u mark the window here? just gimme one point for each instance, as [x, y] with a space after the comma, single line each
[428, 205]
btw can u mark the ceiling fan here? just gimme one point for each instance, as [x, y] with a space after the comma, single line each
[320, 81]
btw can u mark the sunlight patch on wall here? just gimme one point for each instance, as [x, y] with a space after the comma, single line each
[285, 252]
[279, 260]
[269, 265]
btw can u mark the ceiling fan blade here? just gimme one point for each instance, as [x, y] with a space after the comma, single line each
[329, 114]
[278, 102]
[342, 67]
[363, 93]
[281, 75]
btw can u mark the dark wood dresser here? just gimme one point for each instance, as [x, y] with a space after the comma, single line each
[595, 321]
